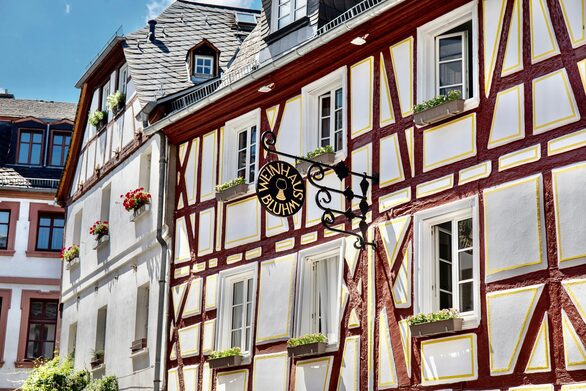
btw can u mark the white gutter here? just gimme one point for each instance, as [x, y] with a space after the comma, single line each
[282, 61]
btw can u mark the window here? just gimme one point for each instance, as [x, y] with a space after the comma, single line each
[331, 128]
[60, 148]
[247, 154]
[50, 232]
[447, 260]
[123, 79]
[144, 179]
[447, 54]
[288, 11]
[141, 327]
[77, 227]
[5, 303]
[203, 65]
[105, 207]
[72, 341]
[42, 325]
[238, 291]
[105, 94]
[318, 305]
[101, 329]
[30, 147]
[241, 147]
[4, 228]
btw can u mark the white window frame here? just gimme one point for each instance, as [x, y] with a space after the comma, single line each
[230, 144]
[425, 275]
[426, 52]
[227, 279]
[464, 60]
[305, 258]
[310, 111]
[123, 79]
[203, 57]
[293, 11]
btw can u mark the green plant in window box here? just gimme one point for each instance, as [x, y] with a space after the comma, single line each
[307, 339]
[317, 152]
[444, 314]
[307, 345]
[443, 321]
[438, 100]
[226, 358]
[231, 352]
[230, 184]
[97, 118]
[97, 358]
[68, 254]
[116, 101]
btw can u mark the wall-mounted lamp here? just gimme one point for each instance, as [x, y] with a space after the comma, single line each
[267, 88]
[359, 41]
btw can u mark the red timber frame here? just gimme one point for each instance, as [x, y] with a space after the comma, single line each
[391, 27]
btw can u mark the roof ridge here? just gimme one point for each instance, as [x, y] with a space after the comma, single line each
[225, 7]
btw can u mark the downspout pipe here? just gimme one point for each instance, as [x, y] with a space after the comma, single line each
[160, 333]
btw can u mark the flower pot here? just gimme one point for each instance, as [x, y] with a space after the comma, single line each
[225, 362]
[310, 349]
[138, 212]
[72, 263]
[138, 345]
[232, 192]
[96, 362]
[100, 240]
[439, 327]
[326, 158]
[438, 113]
[118, 108]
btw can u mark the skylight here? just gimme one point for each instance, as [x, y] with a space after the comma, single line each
[241, 17]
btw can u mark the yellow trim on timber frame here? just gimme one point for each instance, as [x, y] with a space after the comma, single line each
[289, 101]
[553, 41]
[406, 192]
[471, 152]
[368, 127]
[268, 357]
[209, 195]
[535, 151]
[553, 150]
[271, 114]
[447, 339]
[519, 65]
[368, 150]
[325, 359]
[569, 328]
[406, 281]
[382, 325]
[310, 223]
[208, 250]
[256, 221]
[569, 283]
[537, 387]
[195, 350]
[520, 128]
[505, 293]
[434, 190]
[404, 221]
[195, 311]
[356, 341]
[244, 371]
[489, 71]
[221, 157]
[384, 78]
[543, 329]
[191, 198]
[582, 70]
[487, 168]
[547, 125]
[574, 386]
[580, 41]
[401, 176]
[536, 179]
[409, 110]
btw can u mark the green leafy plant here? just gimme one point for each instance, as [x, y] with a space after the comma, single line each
[115, 100]
[70, 253]
[225, 353]
[438, 100]
[97, 354]
[230, 184]
[55, 375]
[444, 314]
[106, 383]
[318, 151]
[307, 339]
[97, 117]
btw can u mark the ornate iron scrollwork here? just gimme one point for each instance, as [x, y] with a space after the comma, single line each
[315, 174]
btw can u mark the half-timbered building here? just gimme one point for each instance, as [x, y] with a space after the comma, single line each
[478, 208]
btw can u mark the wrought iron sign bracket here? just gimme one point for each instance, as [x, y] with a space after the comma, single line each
[316, 173]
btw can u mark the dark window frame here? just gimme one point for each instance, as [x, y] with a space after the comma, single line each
[19, 142]
[52, 228]
[41, 320]
[7, 228]
[52, 144]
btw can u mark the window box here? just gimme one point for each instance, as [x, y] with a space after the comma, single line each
[438, 327]
[326, 158]
[310, 349]
[138, 345]
[96, 363]
[225, 362]
[100, 240]
[232, 192]
[137, 213]
[438, 113]
[72, 263]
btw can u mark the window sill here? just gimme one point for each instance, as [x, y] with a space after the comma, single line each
[24, 364]
[139, 353]
[282, 32]
[42, 254]
[469, 104]
[98, 368]
[7, 253]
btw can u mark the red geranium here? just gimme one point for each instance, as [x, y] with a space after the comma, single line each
[135, 199]
[100, 228]
[69, 253]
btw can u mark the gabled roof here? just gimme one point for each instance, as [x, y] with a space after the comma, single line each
[49, 111]
[159, 68]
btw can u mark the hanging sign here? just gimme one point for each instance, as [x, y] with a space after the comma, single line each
[280, 189]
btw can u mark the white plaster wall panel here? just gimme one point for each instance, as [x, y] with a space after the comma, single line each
[533, 387]
[543, 42]
[410, 137]
[189, 340]
[211, 292]
[513, 61]
[387, 374]
[208, 166]
[275, 225]
[508, 120]
[172, 380]
[193, 299]
[206, 378]
[575, 18]
[270, 372]
[449, 360]
[351, 255]
[91, 159]
[209, 332]
[576, 289]
[539, 360]
[569, 184]
[314, 213]
[272, 116]
[506, 328]
[405, 332]
[574, 387]
[344, 298]
[182, 251]
[177, 295]
[493, 12]
[361, 80]
[554, 104]
[116, 142]
[582, 69]
[520, 157]
[391, 166]
[190, 377]
[449, 142]
[435, 186]
[386, 115]
[402, 60]
[574, 350]
[474, 173]
[350, 368]
[232, 381]
[567, 143]
[393, 199]
[129, 124]
[361, 162]
[402, 284]
[392, 233]
[190, 174]
[242, 222]
[353, 319]
[205, 236]
[275, 299]
[290, 135]
[513, 228]
[314, 374]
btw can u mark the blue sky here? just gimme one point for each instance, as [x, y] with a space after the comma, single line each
[46, 45]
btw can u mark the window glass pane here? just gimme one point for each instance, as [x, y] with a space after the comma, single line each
[445, 245]
[445, 91]
[466, 297]
[445, 300]
[51, 311]
[37, 138]
[43, 238]
[23, 153]
[58, 222]
[56, 155]
[3, 236]
[45, 221]
[450, 48]
[242, 140]
[57, 239]
[4, 217]
[450, 73]
[465, 262]
[36, 154]
[237, 293]
[325, 105]
[339, 98]
[236, 339]
[465, 234]
[445, 276]
[25, 137]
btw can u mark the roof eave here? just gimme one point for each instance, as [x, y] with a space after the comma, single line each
[97, 62]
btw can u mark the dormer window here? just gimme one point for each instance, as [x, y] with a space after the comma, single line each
[204, 66]
[203, 61]
[288, 11]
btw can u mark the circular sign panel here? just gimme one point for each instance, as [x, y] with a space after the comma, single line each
[280, 188]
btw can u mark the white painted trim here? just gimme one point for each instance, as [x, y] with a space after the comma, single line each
[230, 142]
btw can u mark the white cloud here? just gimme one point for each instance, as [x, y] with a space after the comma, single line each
[155, 7]
[67, 8]
[231, 3]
